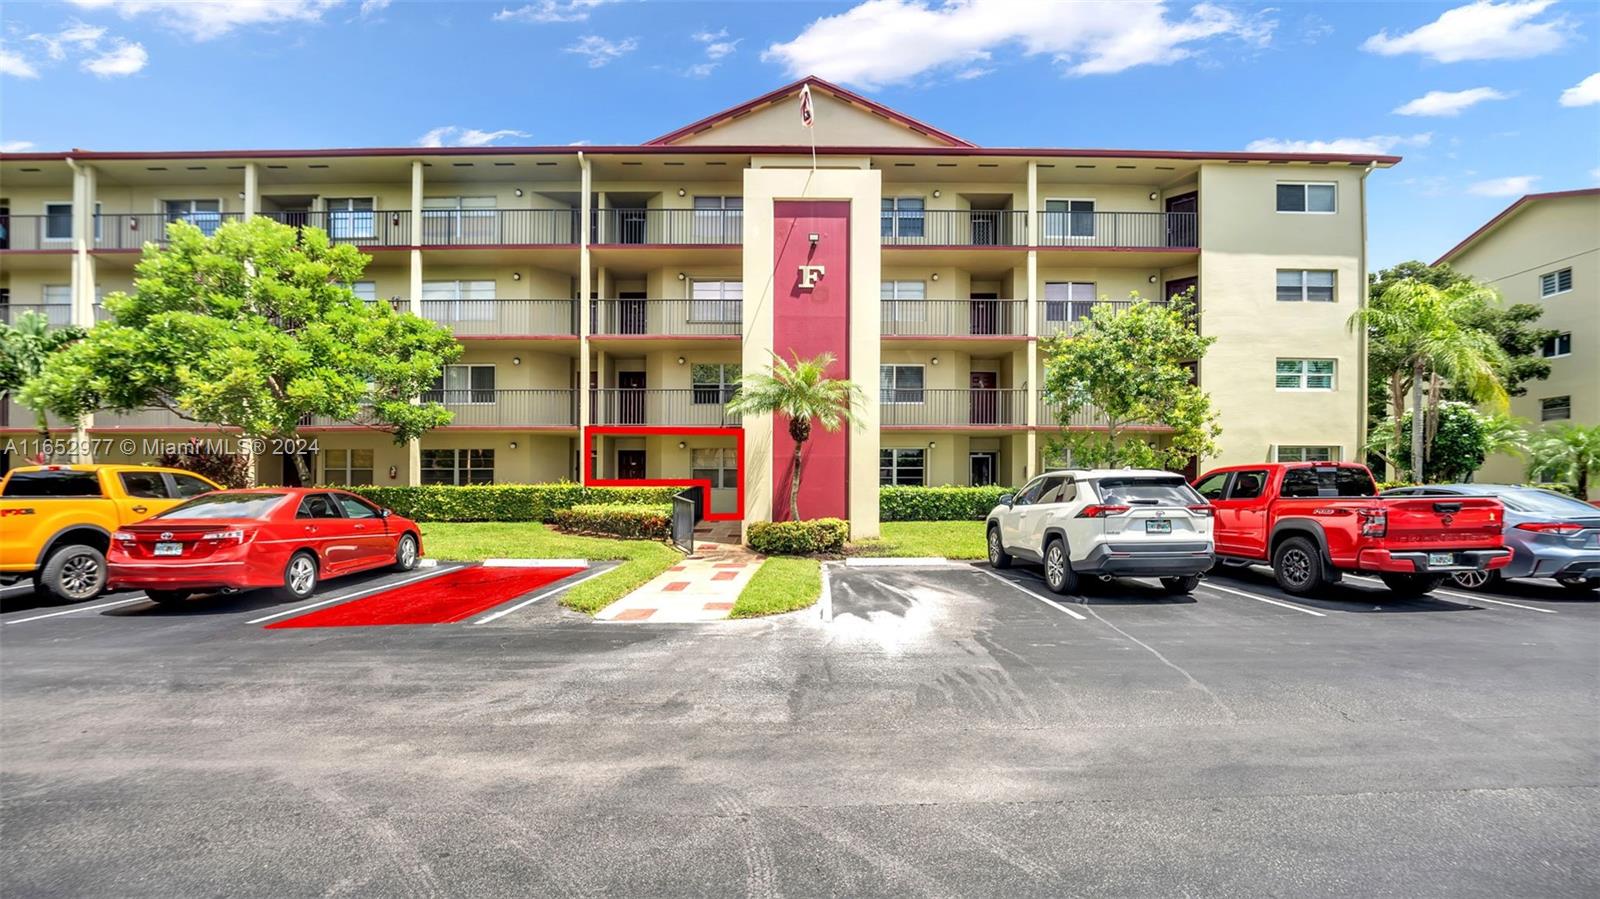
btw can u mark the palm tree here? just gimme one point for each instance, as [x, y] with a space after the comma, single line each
[805, 395]
[24, 347]
[1570, 452]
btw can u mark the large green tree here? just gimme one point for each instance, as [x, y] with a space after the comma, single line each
[1130, 366]
[806, 398]
[253, 327]
[25, 347]
[1568, 452]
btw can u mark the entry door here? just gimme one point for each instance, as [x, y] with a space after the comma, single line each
[630, 226]
[631, 313]
[984, 317]
[985, 399]
[630, 398]
[981, 469]
[986, 227]
[1177, 286]
[630, 465]
[1183, 230]
[5, 227]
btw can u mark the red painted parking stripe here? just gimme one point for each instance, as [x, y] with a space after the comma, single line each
[440, 600]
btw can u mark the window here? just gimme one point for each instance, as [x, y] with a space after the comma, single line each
[1146, 490]
[907, 300]
[53, 484]
[144, 484]
[714, 382]
[1211, 488]
[459, 301]
[1307, 285]
[57, 300]
[1305, 374]
[1304, 197]
[717, 302]
[900, 384]
[460, 384]
[1555, 408]
[459, 220]
[347, 467]
[365, 290]
[1558, 346]
[354, 507]
[1058, 490]
[203, 214]
[1552, 283]
[1068, 219]
[1247, 484]
[719, 465]
[351, 218]
[464, 466]
[903, 217]
[317, 505]
[1068, 301]
[1307, 454]
[1331, 481]
[718, 219]
[58, 221]
[186, 486]
[901, 467]
[226, 505]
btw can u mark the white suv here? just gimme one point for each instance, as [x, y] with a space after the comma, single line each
[1127, 522]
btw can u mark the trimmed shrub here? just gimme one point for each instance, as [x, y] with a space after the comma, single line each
[937, 503]
[799, 538]
[632, 521]
[506, 502]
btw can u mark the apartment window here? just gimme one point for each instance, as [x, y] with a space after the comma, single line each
[366, 291]
[907, 300]
[203, 214]
[459, 301]
[719, 465]
[904, 217]
[1068, 301]
[1305, 285]
[458, 466]
[459, 220]
[900, 384]
[1068, 219]
[1552, 283]
[351, 218]
[462, 384]
[714, 382]
[1555, 408]
[716, 302]
[347, 467]
[1308, 454]
[58, 221]
[1558, 346]
[718, 219]
[1307, 197]
[1305, 374]
[902, 467]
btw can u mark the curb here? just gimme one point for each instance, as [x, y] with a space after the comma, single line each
[536, 563]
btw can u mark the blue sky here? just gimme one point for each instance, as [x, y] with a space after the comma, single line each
[1486, 100]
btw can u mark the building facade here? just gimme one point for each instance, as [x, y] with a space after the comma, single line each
[609, 298]
[1544, 250]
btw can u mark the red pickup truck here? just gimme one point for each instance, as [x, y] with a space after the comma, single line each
[1312, 521]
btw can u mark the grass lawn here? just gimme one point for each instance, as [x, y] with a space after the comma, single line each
[474, 541]
[951, 539]
[781, 584]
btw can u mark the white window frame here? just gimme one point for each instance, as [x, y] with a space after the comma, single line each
[463, 308]
[721, 303]
[350, 231]
[44, 211]
[894, 213]
[1305, 191]
[1556, 345]
[923, 391]
[1305, 375]
[720, 226]
[1305, 285]
[1544, 410]
[1094, 298]
[727, 475]
[349, 466]
[725, 388]
[1298, 453]
[1555, 277]
[221, 213]
[469, 390]
[894, 465]
[458, 468]
[1045, 232]
[915, 309]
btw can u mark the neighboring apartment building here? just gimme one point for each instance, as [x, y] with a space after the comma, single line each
[610, 297]
[1544, 249]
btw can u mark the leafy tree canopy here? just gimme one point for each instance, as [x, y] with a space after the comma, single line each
[25, 347]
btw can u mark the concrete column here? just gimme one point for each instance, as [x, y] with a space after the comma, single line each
[1035, 370]
[84, 186]
[584, 289]
[252, 190]
[414, 447]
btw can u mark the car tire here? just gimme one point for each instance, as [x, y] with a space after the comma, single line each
[1411, 584]
[299, 577]
[1580, 584]
[73, 573]
[406, 555]
[1058, 573]
[998, 557]
[1297, 566]
[1183, 585]
[1483, 579]
[167, 597]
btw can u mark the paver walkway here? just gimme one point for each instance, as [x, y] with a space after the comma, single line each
[703, 587]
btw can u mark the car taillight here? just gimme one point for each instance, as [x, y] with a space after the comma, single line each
[1098, 511]
[123, 537]
[234, 536]
[1559, 528]
[1203, 510]
[1374, 522]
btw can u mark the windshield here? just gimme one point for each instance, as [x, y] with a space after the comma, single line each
[53, 484]
[226, 505]
[1547, 502]
[1148, 491]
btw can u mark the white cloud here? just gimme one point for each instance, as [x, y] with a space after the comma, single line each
[1378, 144]
[717, 48]
[1480, 30]
[1593, 173]
[1449, 103]
[1584, 93]
[123, 59]
[14, 65]
[884, 41]
[16, 146]
[373, 7]
[547, 11]
[207, 19]
[1513, 186]
[601, 51]
[454, 136]
[75, 35]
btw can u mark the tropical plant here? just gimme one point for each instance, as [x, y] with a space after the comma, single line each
[1459, 447]
[1566, 452]
[231, 470]
[25, 348]
[804, 395]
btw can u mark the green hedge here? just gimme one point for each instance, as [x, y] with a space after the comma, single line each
[506, 502]
[799, 538]
[937, 503]
[632, 522]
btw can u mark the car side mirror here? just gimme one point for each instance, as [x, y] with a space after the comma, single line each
[1006, 499]
[385, 512]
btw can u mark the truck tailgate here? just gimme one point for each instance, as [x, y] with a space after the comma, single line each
[1451, 522]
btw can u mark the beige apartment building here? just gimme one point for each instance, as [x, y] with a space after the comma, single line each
[1544, 249]
[608, 298]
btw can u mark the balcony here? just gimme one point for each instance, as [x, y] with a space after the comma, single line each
[955, 228]
[687, 407]
[953, 408]
[499, 227]
[666, 318]
[510, 408]
[1119, 230]
[132, 230]
[147, 419]
[668, 227]
[1069, 316]
[36, 232]
[1087, 418]
[954, 318]
[504, 318]
[57, 314]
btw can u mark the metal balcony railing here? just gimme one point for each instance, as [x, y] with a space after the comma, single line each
[504, 318]
[499, 227]
[361, 227]
[57, 314]
[1069, 316]
[132, 230]
[667, 318]
[36, 232]
[954, 228]
[958, 407]
[1120, 230]
[1087, 417]
[954, 318]
[510, 408]
[147, 418]
[700, 406]
[716, 227]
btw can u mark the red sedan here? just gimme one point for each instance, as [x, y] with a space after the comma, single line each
[282, 538]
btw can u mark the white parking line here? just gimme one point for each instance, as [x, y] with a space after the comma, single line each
[1467, 596]
[1207, 585]
[105, 605]
[825, 601]
[1016, 586]
[538, 596]
[342, 597]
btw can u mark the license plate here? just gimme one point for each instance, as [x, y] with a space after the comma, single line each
[1441, 558]
[1158, 526]
[169, 549]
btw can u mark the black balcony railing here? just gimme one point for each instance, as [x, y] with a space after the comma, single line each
[1121, 230]
[701, 407]
[954, 318]
[132, 230]
[668, 318]
[954, 228]
[1051, 416]
[499, 227]
[947, 408]
[511, 408]
[1069, 316]
[36, 232]
[504, 318]
[361, 227]
[717, 227]
[57, 314]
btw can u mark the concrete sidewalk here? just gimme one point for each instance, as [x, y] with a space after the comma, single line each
[703, 587]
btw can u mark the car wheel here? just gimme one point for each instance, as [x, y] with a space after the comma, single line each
[998, 557]
[1579, 583]
[1058, 573]
[299, 577]
[167, 597]
[74, 573]
[405, 554]
[1184, 584]
[1297, 565]
[1411, 584]
[1476, 580]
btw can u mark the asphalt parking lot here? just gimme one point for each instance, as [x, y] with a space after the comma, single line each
[945, 731]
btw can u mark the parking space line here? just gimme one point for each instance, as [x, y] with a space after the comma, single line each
[538, 596]
[825, 601]
[1467, 596]
[105, 605]
[1266, 599]
[342, 597]
[1016, 586]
